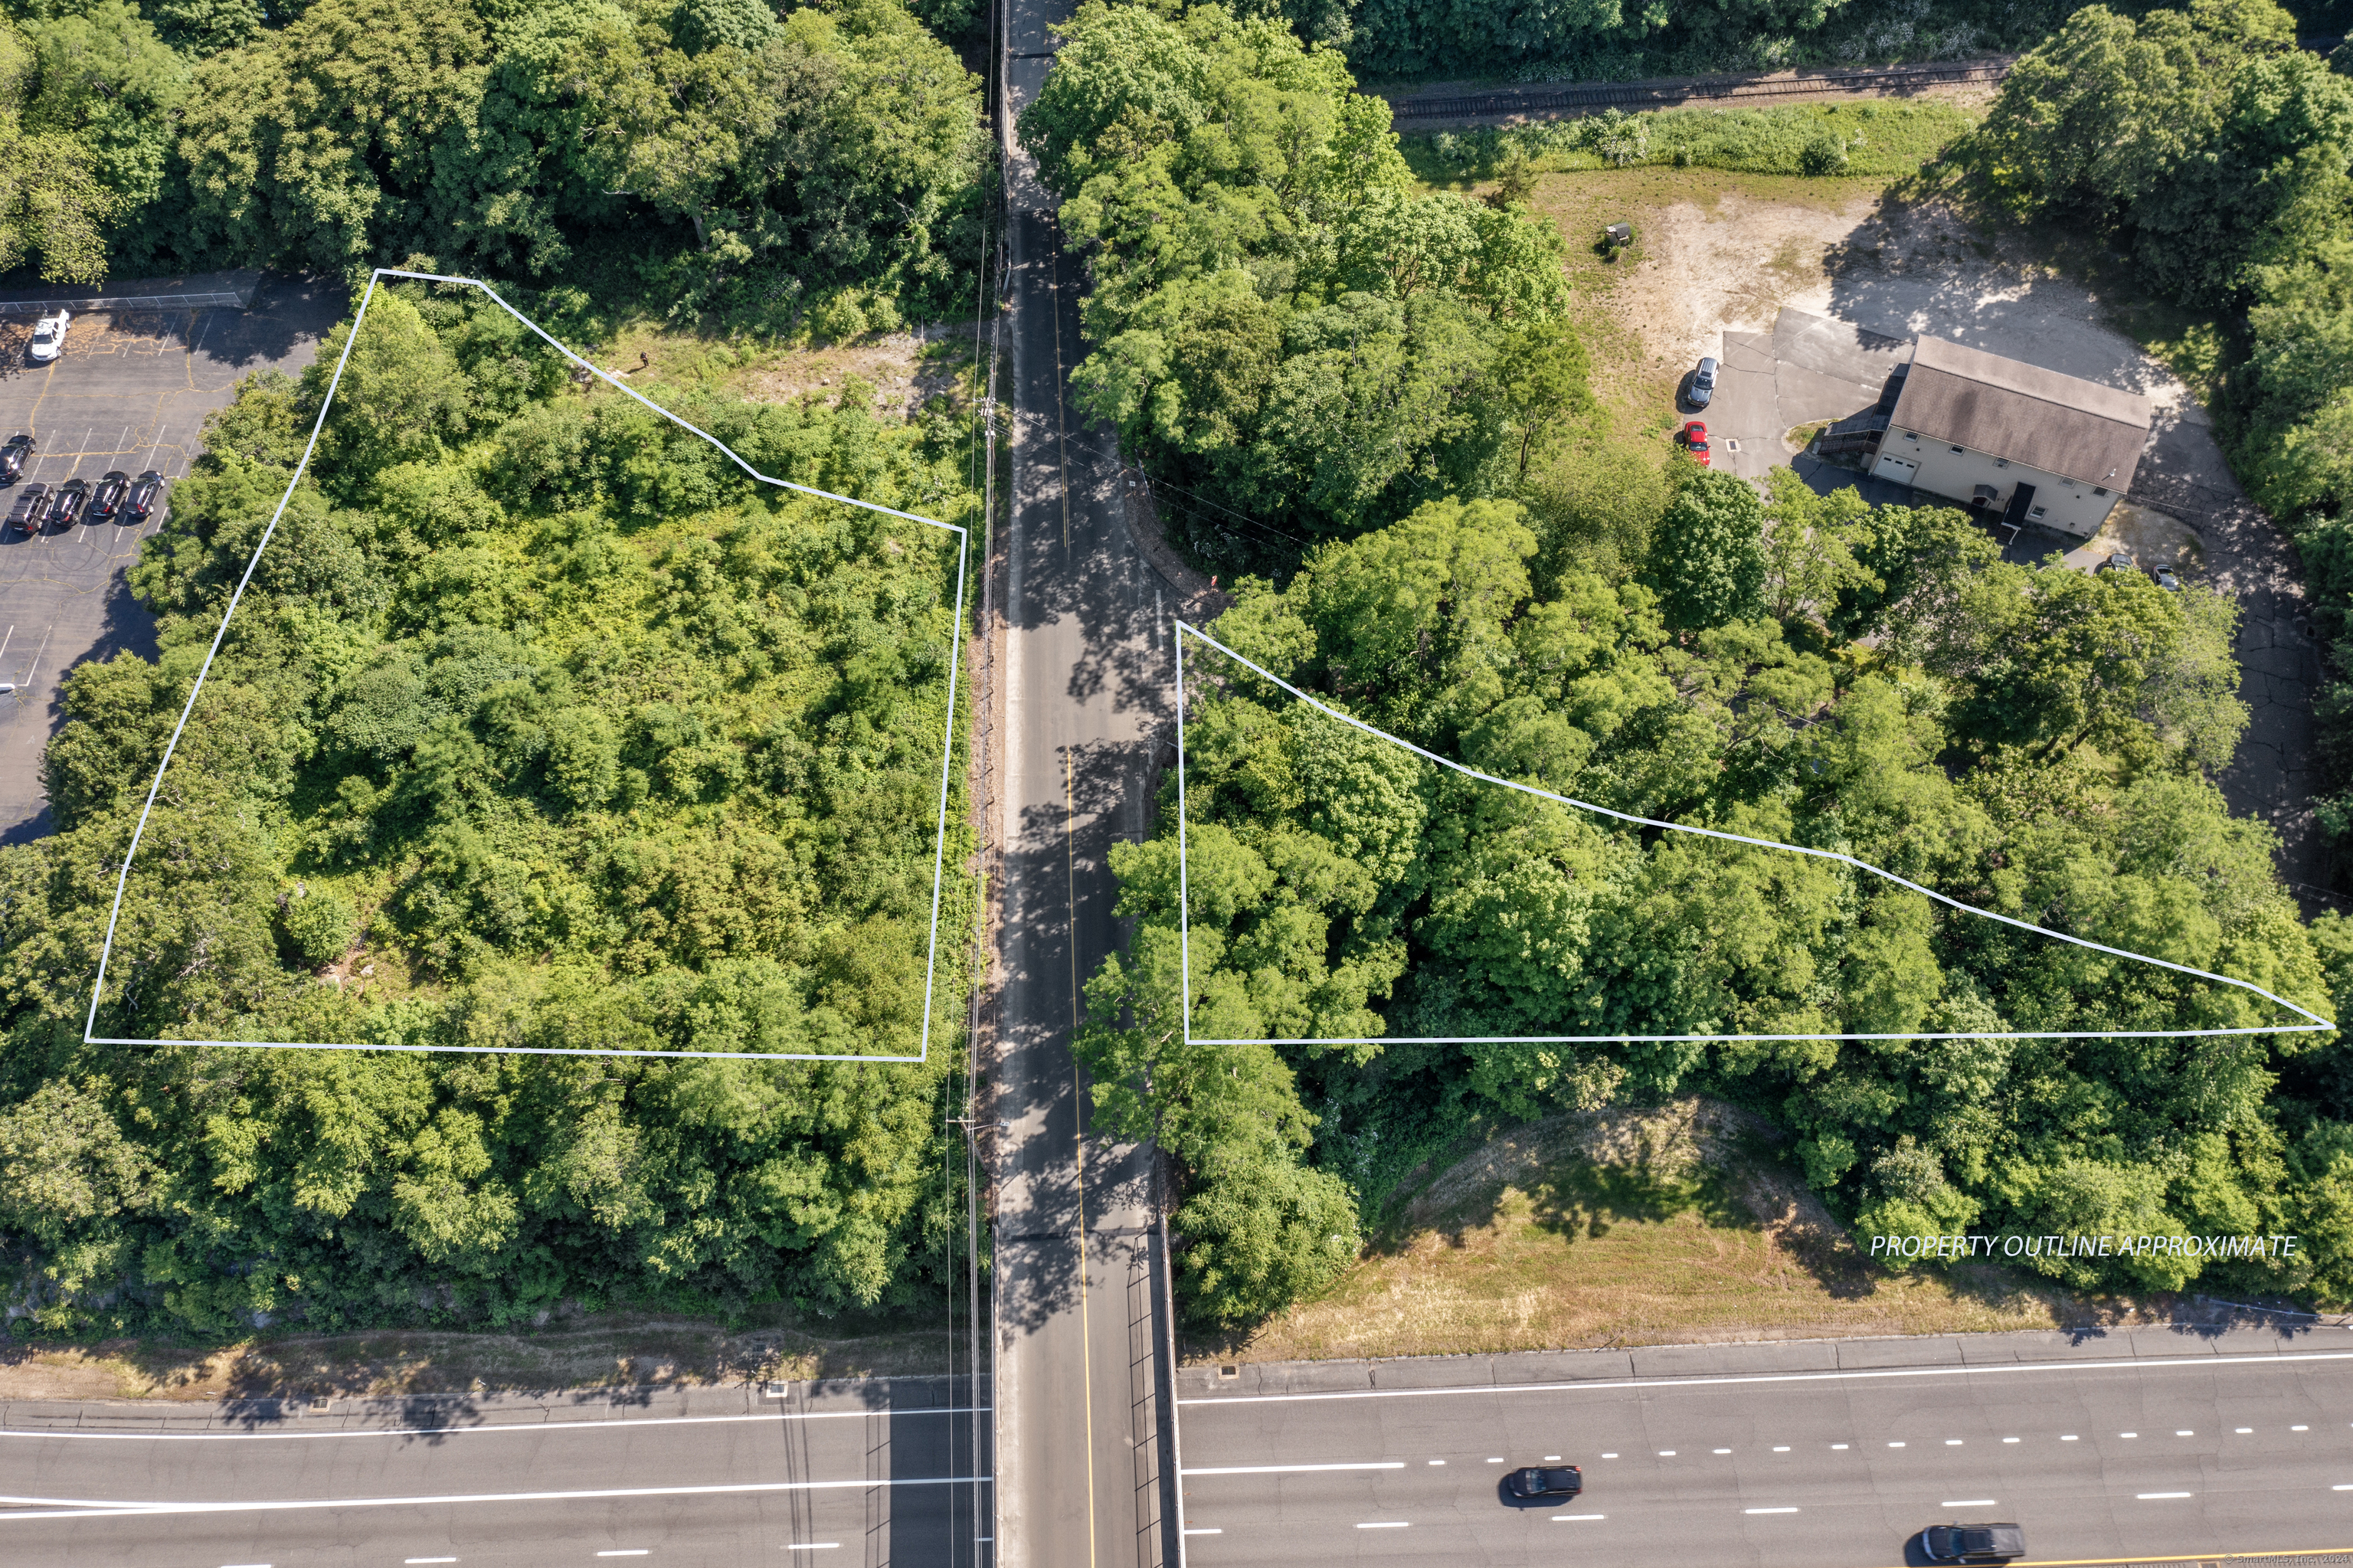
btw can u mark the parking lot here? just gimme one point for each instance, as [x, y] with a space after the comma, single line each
[130, 393]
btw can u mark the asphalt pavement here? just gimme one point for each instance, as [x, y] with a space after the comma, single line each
[1086, 662]
[130, 392]
[874, 1473]
[2127, 1447]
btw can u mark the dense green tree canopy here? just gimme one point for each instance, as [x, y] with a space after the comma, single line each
[540, 727]
[1798, 669]
[1279, 318]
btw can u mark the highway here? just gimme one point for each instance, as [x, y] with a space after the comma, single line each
[853, 1481]
[1777, 1455]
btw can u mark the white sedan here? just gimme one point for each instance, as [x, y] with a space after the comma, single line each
[49, 336]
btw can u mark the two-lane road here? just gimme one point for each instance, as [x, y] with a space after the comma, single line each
[2107, 1457]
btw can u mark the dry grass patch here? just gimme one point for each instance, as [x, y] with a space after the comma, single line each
[1675, 1226]
[903, 369]
[609, 1350]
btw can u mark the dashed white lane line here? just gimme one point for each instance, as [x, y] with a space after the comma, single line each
[1782, 1449]
[835, 1545]
[415, 1560]
[1972, 1502]
[2127, 1433]
[1290, 1470]
[1438, 1461]
[1192, 1531]
[628, 1551]
[1387, 1524]
[2185, 1433]
[1576, 1518]
[2243, 1431]
[2070, 1437]
[1895, 1445]
[1952, 1442]
[1768, 1510]
[1552, 1458]
[1837, 1447]
[2346, 1489]
[2010, 1439]
[1724, 1450]
[2159, 1496]
[1499, 1461]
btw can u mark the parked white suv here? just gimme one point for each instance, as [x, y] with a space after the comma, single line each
[49, 336]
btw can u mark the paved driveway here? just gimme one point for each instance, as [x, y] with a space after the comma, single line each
[132, 393]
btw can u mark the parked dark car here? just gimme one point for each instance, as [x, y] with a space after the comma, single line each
[13, 457]
[73, 497]
[145, 492]
[32, 508]
[106, 499]
[1973, 1543]
[1545, 1482]
[1703, 387]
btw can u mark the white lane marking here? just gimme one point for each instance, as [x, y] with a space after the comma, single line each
[1576, 1518]
[413, 1560]
[1286, 1469]
[1666, 1453]
[835, 1545]
[85, 1508]
[1835, 1446]
[1499, 1461]
[1768, 1510]
[2010, 1439]
[1552, 1458]
[1609, 1455]
[2127, 1433]
[2243, 1431]
[1724, 1450]
[2158, 1497]
[1972, 1502]
[1387, 1524]
[2270, 1358]
[1895, 1445]
[2185, 1433]
[1782, 1449]
[2071, 1438]
[618, 1424]
[2341, 1488]
[1438, 1461]
[1191, 1531]
[633, 1552]
[2299, 1428]
[1952, 1442]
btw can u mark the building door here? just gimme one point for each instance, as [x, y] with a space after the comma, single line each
[1897, 468]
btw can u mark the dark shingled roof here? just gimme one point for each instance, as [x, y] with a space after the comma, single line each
[2076, 429]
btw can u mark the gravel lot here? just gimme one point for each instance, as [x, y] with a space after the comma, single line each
[1715, 276]
[130, 393]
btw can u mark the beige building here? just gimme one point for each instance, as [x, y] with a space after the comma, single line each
[2028, 444]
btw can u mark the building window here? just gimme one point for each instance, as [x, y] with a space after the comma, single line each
[2001, 463]
[1911, 435]
[2036, 512]
[2097, 489]
[1956, 448]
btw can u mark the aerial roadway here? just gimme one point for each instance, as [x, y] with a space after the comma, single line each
[596, 1485]
[2111, 1457]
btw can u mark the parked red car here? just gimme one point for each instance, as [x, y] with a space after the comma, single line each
[1696, 441]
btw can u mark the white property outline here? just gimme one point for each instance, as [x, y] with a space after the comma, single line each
[947, 747]
[1185, 918]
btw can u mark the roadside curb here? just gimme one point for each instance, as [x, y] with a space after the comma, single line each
[454, 1412]
[1766, 1358]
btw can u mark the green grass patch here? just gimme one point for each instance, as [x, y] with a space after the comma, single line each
[1869, 139]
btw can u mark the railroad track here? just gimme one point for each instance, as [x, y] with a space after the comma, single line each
[1591, 96]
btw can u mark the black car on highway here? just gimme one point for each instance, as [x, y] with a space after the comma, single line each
[1545, 1482]
[32, 508]
[139, 504]
[73, 496]
[13, 457]
[1973, 1543]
